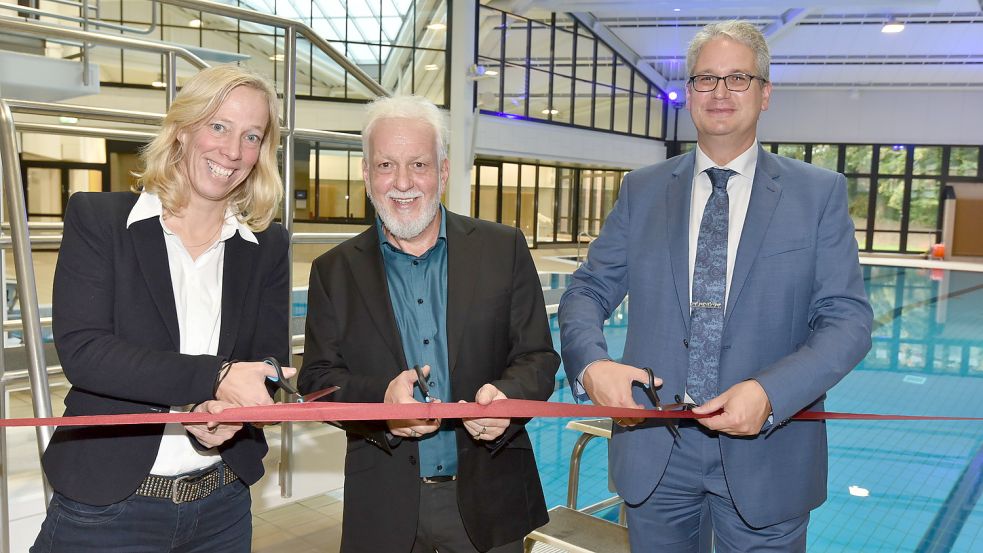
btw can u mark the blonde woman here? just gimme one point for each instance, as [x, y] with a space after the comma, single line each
[166, 299]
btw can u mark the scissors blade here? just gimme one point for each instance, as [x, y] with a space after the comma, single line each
[422, 382]
[654, 398]
[314, 396]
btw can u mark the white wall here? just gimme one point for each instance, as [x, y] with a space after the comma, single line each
[895, 116]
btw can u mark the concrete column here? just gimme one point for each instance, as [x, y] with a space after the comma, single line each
[462, 120]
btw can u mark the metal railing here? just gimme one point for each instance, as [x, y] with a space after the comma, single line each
[590, 238]
[20, 239]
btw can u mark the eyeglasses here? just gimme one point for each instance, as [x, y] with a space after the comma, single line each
[735, 82]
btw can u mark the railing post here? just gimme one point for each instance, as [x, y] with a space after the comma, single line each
[27, 288]
[289, 151]
[171, 78]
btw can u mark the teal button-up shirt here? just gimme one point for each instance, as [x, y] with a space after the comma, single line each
[418, 293]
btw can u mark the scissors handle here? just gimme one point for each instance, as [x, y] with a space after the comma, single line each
[422, 382]
[654, 398]
[279, 379]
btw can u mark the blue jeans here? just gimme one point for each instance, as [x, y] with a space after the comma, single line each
[219, 523]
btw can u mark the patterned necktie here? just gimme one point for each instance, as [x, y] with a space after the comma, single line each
[709, 287]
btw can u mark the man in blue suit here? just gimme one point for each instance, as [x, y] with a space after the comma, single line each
[746, 297]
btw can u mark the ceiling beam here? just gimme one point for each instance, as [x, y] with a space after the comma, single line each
[788, 20]
[619, 47]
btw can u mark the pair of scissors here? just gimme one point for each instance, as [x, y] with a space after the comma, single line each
[293, 396]
[654, 398]
[422, 382]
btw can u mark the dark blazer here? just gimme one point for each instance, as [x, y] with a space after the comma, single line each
[497, 332]
[116, 331]
[797, 320]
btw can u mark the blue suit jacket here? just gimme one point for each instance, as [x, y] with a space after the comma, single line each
[797, 320]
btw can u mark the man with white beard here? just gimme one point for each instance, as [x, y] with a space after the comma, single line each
[456, 301]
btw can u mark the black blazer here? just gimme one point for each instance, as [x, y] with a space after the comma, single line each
[497, 332]
[116, 332]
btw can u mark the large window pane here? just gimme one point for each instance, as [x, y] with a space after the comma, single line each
[357, 197]
[602, 107]
[585, 58]
[924, 211]
[565, 205]
[561, 99]
[858, 194]
[487, 94]
[825, 155]
[563, 51]
[928, 160]
[544, 215]
[583, 103]
[656, 107]
[638, 113]
[794, 151]
[858, 159]
[527, 200]
[332, 184]
[515, 90]
[890, 196]
[510, 193]
[892, 160]
[488, 192]
[605, 64]
[621, 107]
[539, 104]
[964, 161]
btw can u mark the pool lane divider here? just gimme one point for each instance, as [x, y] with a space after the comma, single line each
[336, 411]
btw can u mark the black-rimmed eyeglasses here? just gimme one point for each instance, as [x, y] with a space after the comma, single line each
[735, 82]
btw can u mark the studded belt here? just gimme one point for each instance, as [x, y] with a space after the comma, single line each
[187, 487]
[437, 479]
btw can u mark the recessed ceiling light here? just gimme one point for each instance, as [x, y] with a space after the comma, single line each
[431, 67]
[158, 84]
[892, 26]
[436, 26]
[675, 9]
[276, 57]
[68, 120]
[548, 111]
[491, 72]
[194, 23]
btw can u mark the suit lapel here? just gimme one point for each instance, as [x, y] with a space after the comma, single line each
[369, 276]
[678, 194]
[237, 274]
[765, 193]
[463, 262]
[151, 254]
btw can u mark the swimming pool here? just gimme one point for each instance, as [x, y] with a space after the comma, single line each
[893, 486]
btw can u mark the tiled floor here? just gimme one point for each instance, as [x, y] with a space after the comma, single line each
[309, 526]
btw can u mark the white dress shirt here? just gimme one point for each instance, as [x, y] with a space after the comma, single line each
[738, 197]
[197, 285]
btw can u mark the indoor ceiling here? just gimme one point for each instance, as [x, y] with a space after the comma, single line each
[833, 43]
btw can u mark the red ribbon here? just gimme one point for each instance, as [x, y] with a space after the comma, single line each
[506, 408]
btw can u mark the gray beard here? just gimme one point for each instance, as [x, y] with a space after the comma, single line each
[408, 230]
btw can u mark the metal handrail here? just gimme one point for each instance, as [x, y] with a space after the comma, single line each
[26, 284]
[85, 19]
[171, 52]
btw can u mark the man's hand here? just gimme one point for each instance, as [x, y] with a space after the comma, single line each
[609, 384]
[400, 390]
[745, 408]
[213, 434]
[245, 384]
[487, 429]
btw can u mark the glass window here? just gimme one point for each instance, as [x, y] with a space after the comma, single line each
[516, 39]
[563, 50]
[510, 193]
[887, 214]
[892, 160]
[539, 86]
[602, 107]
[622, 103]
[527, 200]
[964, 161]
[923, 213]
[431, 25]
[583, 103]
[561, 99]
[585, 58]
[332, 184]
[514, 100]
[638, 113]
[357, 197]
[656, 107]
[825, 155]
[858, 159]
[858, 196]
[605, 64]
[488, 192]
[565, 205]
[928, 160]
[794, 151]
[544, 214]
